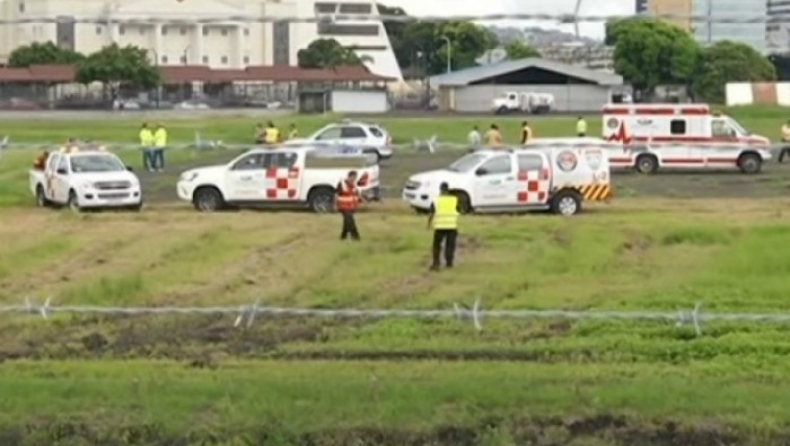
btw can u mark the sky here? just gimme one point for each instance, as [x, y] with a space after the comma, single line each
[472, 7]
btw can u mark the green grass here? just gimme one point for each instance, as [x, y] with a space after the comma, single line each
[240, 129]
[156, 379]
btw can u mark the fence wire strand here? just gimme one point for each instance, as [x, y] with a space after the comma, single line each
[568, 18]
[246, 314]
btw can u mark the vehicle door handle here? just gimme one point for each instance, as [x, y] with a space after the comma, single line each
[510, 178]
[496, 181]
[245, 178]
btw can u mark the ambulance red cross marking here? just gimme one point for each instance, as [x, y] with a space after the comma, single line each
[533, 186]
[281, 184]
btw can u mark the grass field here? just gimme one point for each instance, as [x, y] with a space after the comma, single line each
[183, 380]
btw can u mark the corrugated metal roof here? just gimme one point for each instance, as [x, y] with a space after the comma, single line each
[465, 77]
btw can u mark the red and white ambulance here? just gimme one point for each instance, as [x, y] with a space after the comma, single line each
[686, 136]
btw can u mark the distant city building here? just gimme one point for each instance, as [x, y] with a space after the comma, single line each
[712, 30]
[597, 57]
[230, 44]
[778, 26]
[680, 8]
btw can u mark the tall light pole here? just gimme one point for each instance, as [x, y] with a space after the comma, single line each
[158, 87]
[449, 53]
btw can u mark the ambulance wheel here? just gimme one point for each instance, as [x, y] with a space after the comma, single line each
[566, 202]
[750, 163]
[41, 197]
[464, 204]
[321, 200]
[208, 199]
[646, 164]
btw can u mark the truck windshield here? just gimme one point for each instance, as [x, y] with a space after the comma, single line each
[466, 163]
[96, 163]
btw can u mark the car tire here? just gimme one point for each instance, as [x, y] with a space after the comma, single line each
[566, 202]
[73, 202]
[321, 200]
[41, 197]
[208, 199]
[646, 164]
[750, 163]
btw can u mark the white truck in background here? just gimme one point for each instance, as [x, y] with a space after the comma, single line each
[86, 179]
[516, 102]
[290, 176]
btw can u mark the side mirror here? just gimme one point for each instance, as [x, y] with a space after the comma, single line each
[129, 168]
[481, 171]
[62, 172]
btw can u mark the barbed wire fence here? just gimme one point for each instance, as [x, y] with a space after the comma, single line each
[245, 316]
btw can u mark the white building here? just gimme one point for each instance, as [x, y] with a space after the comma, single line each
[224, 44]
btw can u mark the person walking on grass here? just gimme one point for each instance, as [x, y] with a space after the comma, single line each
[347, 199]
[146, 144]
[443, 219]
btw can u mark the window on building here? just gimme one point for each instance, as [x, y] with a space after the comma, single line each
[98, 30]
[121, 30]
[356, 8]
[224, 59]
[22, 7]
[183, 31]
[224, 31]
[205, 60]
[164, 59]
[246, 31]
[331, 29]
[246, 59]
[164, 30]
[205, 31]
[677, 127]
[325, 7]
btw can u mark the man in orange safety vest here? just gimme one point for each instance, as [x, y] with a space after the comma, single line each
[346, 201]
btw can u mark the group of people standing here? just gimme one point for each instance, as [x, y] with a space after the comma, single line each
[493, 137]
[153, 142]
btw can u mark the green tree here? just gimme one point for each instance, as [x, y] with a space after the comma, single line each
[729, 62]
[468, 42]
[117, 67]
[396, 33]
[327, 53]
[517, 49]
[43, 54]
[649, 52]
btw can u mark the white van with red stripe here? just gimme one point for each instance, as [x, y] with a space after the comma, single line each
[288, 176]
[685, 136]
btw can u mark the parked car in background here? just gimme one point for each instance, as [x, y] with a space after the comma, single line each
[371, 138]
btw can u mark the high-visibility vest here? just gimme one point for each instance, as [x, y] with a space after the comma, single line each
[445, 214]
[347, 197]
[785, 133]
[581, 126]
[160, 138]
[272, 135]
[146, 137]
[526, 134]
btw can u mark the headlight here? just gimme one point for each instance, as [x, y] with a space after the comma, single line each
[410, 184]
[189, 176]
[87, 185]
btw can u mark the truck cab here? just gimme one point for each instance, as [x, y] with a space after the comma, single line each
[523, 102]
[521, 179]
[85, 179]
[681, 136]
[291, 176]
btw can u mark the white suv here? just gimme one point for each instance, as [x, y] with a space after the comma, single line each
[371, 138]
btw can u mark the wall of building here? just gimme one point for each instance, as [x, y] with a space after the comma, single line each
[359, 101]
[768, 93]
[221, 45]
[479, 98]
[778, 28]
[676, 7]
[753, 34]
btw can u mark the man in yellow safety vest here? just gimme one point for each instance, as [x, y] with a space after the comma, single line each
[160, 144]
[785, 150]
[444, 221]
[581, 127]
[272, 134]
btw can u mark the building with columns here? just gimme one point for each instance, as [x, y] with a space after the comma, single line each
[230, 44]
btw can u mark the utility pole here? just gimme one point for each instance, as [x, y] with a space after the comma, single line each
[710, 21]
[449, 53]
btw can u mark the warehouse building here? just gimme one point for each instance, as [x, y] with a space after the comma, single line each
[574, 88]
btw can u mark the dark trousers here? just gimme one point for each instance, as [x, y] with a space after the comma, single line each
[448, 237]
[582, 134]
[158, 158]
[148, 158]
[784, 153]
[349, 226]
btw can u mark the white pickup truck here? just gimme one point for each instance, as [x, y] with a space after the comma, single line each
[288, 176]
[86, 180]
